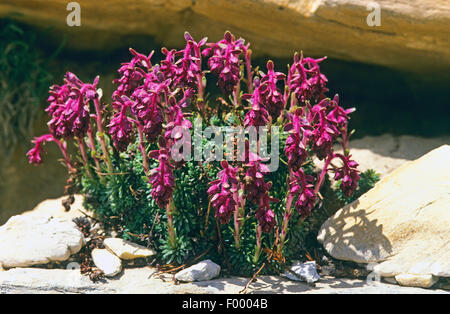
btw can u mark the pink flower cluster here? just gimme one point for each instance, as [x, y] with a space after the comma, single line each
[348, 173]
[225, 62]
[302, 186]
[68, 107]
[162, 178]
[267, 100]
[223, 191]
[35, 154]
[305, 79]
[258, 192]
[314, 130]
[150, 100]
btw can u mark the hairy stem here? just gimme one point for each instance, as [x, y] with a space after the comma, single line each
[82, 148]
[93, 150]
[200, 85]
[170, 228]
[322, 174]
[142, 149]
[248, 65]
[101, 133]
[63, 149]
[237, 239]
[286, 218]
[258, 244]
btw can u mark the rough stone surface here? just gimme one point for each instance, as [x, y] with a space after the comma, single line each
[412, 280]
[31, 240]
[303, 272]
[106, 261]
[127, 250]
[140, 280]
[54, 208]
[402, 223]
[205, 270]
[413, 35]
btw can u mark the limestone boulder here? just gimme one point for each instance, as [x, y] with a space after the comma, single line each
[411, 280]
[205, 270]
[403, 223]
[127, 250]
[106, 261]
[32, 240]
[55, 208]
[412, 35]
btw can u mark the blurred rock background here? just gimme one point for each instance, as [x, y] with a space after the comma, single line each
[396, 74]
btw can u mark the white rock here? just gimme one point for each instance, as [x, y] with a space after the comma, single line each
[127, 250]
[141, 281]
[55, 208]
[48, 281]
[303, 272]
[403, 223]
[205, 270]
[106, 261]
[31, 240]
[412, 280]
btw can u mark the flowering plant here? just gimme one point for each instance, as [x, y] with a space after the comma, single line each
[152, 111]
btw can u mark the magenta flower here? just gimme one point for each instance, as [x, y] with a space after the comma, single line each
[132, 73]
[147, 110]
[168, 66]
[162, 178]
[302, 186]
[189, 66]
[305, 79]
[264, 215]
[69, 107]
[222, 191]
[255, 185]
[258, 114]
[35, 154]
[258, 190]
[121, 128]
[176, 123]
[348, 173]
[338, 115]
[300, 133]
[274, 98]
[224, 61]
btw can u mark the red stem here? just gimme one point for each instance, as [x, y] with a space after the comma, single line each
[248, 65]
[65, 155]
[93, 150]
[322, 174]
